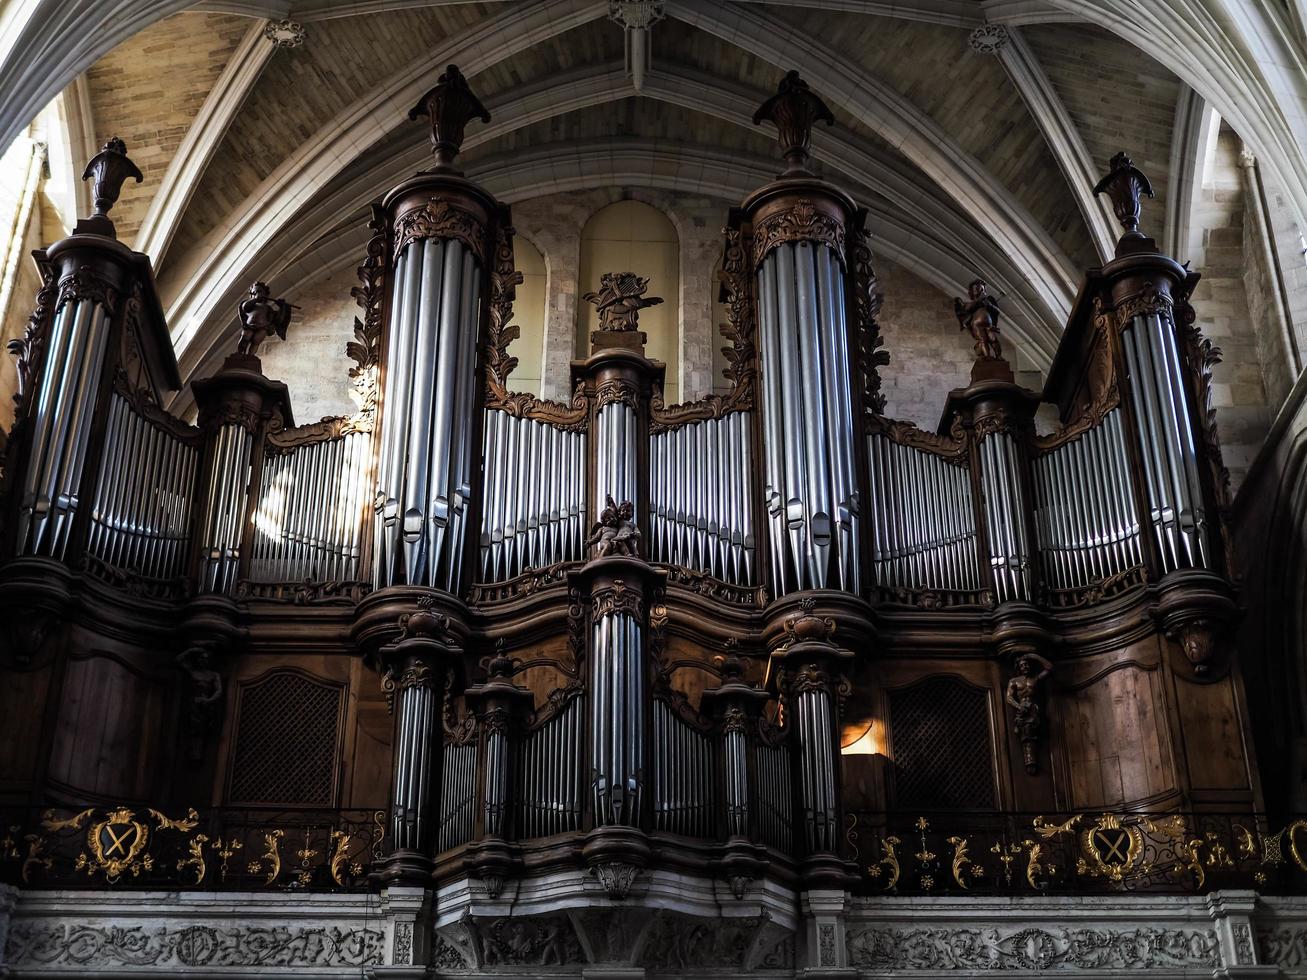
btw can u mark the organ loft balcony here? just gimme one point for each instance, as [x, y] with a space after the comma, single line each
[471, 678]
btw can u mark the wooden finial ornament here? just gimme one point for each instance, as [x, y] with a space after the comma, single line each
[108, 170]
[1124, 184]
[619, 300]
[794, 110]
[450, 106]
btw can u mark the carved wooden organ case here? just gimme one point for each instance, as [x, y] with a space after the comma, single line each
[708, 637]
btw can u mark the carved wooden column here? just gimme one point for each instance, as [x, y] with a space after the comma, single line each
[238, 406]
[737, 708]
[1166, 365]
[500, 706]
[808, 402]
[67, 360]
[415, 665]
[442, 229]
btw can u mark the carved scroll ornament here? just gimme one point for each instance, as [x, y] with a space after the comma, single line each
[804, 221]
[441, 218]
[504, 280]
[867, 298]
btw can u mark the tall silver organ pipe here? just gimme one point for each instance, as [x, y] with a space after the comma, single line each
[618, 718]
[535, 495]
[810, 481]
[700, 500]
[1166, 439]
[458, 794]
[616, 473]
[548, 774]
[1005, 515]
[141, 514]
[1085, 516]
[61, 425]
[308, 520]
[684, 779]
[775, 796]
[416, 740]
[922, 517]
[227, 483]
[816, 766]
[425, 469]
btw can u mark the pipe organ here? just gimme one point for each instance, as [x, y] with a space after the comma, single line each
[633, 636]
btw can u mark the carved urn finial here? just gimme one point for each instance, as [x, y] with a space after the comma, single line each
[108, 170]
[450, 107]
[979, 313]
[794, 110]
[260, 316]
[1123, 185]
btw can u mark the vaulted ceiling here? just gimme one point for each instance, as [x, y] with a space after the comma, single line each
[260, 159]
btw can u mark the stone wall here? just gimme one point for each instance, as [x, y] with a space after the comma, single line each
[1221, 302]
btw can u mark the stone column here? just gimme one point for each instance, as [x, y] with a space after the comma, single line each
[1232, 913]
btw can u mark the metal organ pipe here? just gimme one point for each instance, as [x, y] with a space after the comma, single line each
[535, 494]
[61, 424]
[425, 470]
[807, 417]
[1084, 508]
[1005, 508]
[699, 511]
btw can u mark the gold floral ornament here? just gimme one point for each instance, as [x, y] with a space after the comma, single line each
[271, 854]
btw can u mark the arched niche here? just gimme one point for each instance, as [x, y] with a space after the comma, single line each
[630, 236]
[529, 318]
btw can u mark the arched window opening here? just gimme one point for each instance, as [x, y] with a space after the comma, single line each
[629, 236]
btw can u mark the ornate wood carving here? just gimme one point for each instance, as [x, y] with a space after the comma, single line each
[504, 280]
[1201, 357]
[28, 349]
[450, 106]
[794, 110]
[952, 447]
[741, 356]
[803, 221]
[867, 298]
[441, 218]
[617, 599]
[85, 283]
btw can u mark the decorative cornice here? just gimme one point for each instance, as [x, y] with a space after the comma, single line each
[440, 218]
[85, 283]
[801, 222]
[617, 599]
[617, 389]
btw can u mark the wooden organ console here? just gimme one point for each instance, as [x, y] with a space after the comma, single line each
[745, 638]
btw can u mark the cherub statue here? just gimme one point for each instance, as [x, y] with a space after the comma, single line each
[620, 298]
[261, 316]
[615, 533]
[1023, 696]
[980, 314]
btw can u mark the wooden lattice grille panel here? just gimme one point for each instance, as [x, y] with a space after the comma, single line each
[286, 741]
[942, 746]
